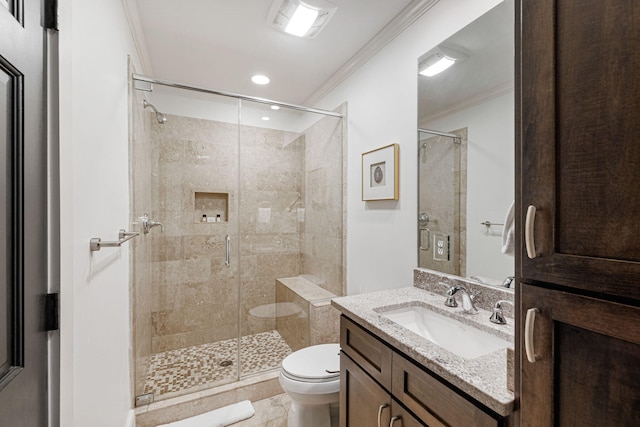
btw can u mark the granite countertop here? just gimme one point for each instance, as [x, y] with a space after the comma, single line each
[484, 378]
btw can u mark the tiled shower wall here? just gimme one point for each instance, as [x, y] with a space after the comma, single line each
[195, 297]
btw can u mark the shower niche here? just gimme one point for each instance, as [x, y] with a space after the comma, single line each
[210, 207]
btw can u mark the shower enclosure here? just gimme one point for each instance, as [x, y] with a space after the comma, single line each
[245, 194]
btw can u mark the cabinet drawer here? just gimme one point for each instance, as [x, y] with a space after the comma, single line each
[433, 402]
[367, 351]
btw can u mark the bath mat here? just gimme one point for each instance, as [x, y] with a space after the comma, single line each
[219, 418]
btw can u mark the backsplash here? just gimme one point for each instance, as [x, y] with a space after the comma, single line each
[485, 295]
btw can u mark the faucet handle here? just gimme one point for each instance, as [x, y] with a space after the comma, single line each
[498, 316]
[450, 301]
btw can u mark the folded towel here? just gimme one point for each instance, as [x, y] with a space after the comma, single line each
[218, 418]
[508, 232]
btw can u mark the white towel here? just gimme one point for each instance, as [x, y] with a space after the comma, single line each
[218, 418]
[508, 231]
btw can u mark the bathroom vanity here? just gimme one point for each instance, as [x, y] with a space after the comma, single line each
[391, 375]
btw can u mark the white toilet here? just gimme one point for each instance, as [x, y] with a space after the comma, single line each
[311, 378]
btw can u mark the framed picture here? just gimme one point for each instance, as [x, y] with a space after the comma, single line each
[380, 174]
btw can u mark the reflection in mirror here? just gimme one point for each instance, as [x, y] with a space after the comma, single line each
[466, 150]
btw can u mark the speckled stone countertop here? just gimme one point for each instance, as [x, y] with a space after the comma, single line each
[484, 378]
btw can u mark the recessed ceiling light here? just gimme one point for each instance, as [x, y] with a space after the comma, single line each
[275, 107]
[265, 118]
[260, 79]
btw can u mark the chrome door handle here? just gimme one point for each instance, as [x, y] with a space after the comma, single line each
[529, 325]
[380, 409]
[227, 259]
[394, 419]
[529, 238]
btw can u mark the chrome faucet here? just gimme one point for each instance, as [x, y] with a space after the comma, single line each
[497, 316]
[148, 224]
[467, 299]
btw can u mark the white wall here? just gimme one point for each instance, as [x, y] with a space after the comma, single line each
[382, 109]
[95, 330]
[490, 183]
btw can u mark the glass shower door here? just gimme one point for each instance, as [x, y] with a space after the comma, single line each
[185, 292]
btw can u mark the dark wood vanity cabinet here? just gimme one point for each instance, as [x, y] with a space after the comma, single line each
[578, 212]
[578, 139]
[585, 361]
[381, 387]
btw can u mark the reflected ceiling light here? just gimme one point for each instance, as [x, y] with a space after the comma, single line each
[439, 60]
[259, 79]
[300, 18]
[265, 118]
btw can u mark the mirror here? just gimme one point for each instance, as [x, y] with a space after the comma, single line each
[466, 150]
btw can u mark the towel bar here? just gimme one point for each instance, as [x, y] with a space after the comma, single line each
[96, 244]
[489, 223]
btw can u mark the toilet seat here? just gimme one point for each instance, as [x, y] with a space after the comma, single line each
[315, 364]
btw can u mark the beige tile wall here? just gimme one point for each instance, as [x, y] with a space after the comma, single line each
[195, 297]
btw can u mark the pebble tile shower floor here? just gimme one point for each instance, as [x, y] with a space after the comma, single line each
[194, 368]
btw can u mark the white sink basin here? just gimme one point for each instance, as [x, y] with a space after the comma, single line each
[450, 334]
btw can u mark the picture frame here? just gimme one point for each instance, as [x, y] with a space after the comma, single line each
[380, 173]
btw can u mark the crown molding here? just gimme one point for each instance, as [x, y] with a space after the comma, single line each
[469, 102]
[135, 27]
[397, 25]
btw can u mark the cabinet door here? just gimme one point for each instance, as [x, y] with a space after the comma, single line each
[587, 366]
[362, 401]
[578, 136]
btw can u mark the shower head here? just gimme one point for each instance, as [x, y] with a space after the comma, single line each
[159, 116]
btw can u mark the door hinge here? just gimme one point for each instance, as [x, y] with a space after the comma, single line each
[51, 312]
[51, 14]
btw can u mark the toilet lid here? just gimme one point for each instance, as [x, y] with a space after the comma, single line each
[317, 362]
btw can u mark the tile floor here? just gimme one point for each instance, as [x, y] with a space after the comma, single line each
[271, 412]
[193, 368]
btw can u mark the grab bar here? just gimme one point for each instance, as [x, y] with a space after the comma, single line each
[96, 244]
[227, 259]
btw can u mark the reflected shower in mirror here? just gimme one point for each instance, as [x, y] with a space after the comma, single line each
[466, 150]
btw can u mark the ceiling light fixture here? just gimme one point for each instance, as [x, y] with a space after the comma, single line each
[439, 60]
[265, 118]
[275, 107]
[300, 18]
[259, 79]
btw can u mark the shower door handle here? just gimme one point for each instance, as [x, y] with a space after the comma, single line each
[425, 232]
[227, 258]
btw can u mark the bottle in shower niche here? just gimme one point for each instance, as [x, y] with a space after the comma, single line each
[204, 218]
[218, 218]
